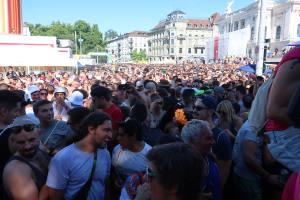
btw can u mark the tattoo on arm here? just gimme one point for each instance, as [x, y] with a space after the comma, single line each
[295, 63]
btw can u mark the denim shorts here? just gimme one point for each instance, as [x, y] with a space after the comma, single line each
[285, 147]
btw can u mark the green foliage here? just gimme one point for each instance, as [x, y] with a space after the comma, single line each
[91, 35]
[139, 56]
[110, 34]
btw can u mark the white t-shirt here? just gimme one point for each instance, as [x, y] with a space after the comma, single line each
[127, 163]
[70, 168]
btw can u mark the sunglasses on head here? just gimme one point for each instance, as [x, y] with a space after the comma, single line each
[26, 127]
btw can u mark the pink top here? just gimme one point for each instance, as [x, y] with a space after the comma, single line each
[273, 125]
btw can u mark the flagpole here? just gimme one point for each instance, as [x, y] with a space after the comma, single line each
[261, 39]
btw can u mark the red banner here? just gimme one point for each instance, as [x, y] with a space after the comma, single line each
[216, 48]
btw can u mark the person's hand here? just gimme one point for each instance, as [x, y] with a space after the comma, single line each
[274, 180]
[143, 192]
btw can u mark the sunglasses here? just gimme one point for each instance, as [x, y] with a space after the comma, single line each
[26, 127]
[150, 174]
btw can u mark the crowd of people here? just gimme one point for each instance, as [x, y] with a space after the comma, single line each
[159, 132]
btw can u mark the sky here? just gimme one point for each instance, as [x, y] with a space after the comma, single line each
[120, 15]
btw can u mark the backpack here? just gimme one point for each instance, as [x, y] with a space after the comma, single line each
[258, 113]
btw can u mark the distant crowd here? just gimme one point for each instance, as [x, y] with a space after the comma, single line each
[141, 131]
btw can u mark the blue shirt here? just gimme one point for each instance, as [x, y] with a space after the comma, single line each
[70, 169]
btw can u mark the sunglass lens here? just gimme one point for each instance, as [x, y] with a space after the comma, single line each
[17, 129]
[29, 127]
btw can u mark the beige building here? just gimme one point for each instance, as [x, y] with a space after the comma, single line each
[178, 39]
[120, 48]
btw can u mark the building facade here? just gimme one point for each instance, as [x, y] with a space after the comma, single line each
[178, 39]
[121, 48]
[237, 32]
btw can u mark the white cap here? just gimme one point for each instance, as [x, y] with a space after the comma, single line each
[76, 98]
[60, 90]
[33, 89]
[139, 84]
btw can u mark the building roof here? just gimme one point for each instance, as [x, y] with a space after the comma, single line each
[176, 12]
[214, 18]
[160, 25]
[198, 23]
[137, 34]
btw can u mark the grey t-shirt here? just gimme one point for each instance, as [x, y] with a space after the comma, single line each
[70, 168]
[53, 136]
[241, 169]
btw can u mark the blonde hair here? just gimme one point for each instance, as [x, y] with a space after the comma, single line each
[226, 107]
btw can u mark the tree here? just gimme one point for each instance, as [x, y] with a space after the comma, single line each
[91, 35]
[139, 56]
[110, 34]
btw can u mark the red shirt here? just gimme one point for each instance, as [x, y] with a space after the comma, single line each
[115, 114]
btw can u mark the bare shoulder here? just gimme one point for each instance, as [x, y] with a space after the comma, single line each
[16, 168]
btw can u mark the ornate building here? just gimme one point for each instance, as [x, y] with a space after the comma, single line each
[120, 48]
[237, 32]
[177, 39]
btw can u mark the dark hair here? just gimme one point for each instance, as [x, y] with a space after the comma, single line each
[139, 112]
[44, 89]
[132, 127]
[21, 93]
[260, 78]
[236, 107]
[101, 91]
[247, 101]
[9, 99]
[38, 104]
[241, 89]
[92, 120]
[78, 114]
[178, 166]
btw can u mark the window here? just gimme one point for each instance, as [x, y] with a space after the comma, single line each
[180, 42]
[180, 50]
[278, 32]
[196, 51]
[243, 23]
[298, 31]
[229, 27]
[202, 50]
[172, 50]
[172, 41]
[252, 34]
[236, 26]
[189, 50]
[172, 34]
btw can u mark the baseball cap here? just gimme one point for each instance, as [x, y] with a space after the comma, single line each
[219, 90]
[76, 98]
[33, 89]
[150, 86]
[210, 102]
[139, 84]
[60, 90]
[21, 121]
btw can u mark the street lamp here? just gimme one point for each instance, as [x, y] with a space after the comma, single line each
[80, 40]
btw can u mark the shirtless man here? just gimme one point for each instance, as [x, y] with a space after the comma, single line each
[284, 136]
[25, 173]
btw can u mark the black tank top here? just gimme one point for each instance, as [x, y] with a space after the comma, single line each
[40, 177]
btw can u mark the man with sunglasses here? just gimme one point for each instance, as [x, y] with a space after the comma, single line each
[10, 103]
[26, 171]
[222, 148]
